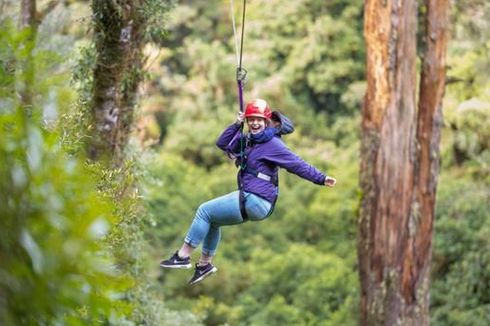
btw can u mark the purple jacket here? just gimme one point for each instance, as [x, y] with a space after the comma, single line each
[266, 158]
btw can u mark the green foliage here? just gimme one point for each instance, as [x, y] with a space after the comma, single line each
[316, 45]
[468, 93]
[78, 245]
[53, 265]
[302, 59]
[77, 115]
[128, 245]
[154, 13]
[289, 267]
[72, 246]
[126, 241]
[461, 263]
[307, 59]
[470, 142]
[303, 282]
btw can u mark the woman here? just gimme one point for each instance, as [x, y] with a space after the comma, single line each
[259, 155]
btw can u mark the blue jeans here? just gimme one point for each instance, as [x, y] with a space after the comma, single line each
[221, 211]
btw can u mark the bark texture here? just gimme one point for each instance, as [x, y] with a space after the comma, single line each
[399, 161]
[118, 41]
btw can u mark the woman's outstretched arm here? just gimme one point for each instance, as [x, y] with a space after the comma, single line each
[287, 159]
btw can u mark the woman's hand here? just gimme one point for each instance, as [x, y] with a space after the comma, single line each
[240, 118]
[330, 182]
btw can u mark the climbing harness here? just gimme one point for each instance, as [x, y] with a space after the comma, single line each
[269, 178]
[244, 168]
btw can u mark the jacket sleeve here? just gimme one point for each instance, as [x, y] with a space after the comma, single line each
[229, 140]
[285, 158]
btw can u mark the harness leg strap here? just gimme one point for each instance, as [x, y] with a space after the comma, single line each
[242, 200]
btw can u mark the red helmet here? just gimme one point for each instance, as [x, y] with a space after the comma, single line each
[258, 108]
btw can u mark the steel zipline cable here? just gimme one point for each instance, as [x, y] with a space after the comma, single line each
[241, 72]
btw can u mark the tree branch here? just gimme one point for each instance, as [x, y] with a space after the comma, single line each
[49, 7]
[2, 4]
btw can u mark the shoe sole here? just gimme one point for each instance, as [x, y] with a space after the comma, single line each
[202, 277]
[177, 266]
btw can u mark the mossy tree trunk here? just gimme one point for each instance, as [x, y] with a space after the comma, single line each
[399, 160]
[118, 42]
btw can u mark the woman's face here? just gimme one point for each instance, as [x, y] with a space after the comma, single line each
[256, 124]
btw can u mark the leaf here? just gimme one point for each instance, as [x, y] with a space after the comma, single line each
[33, 250]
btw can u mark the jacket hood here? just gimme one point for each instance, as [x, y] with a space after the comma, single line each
[286, 127]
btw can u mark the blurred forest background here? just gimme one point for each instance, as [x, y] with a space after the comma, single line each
[80, 242]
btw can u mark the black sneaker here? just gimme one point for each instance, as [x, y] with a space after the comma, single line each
[176, 262]
[202, 272]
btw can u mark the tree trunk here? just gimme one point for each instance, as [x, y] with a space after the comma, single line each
[30, 18]
[399, 161]
[418, 255]
[117, 74]
[27, 16]
[27, 19]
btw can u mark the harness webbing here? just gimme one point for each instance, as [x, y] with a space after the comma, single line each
[243, 168]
